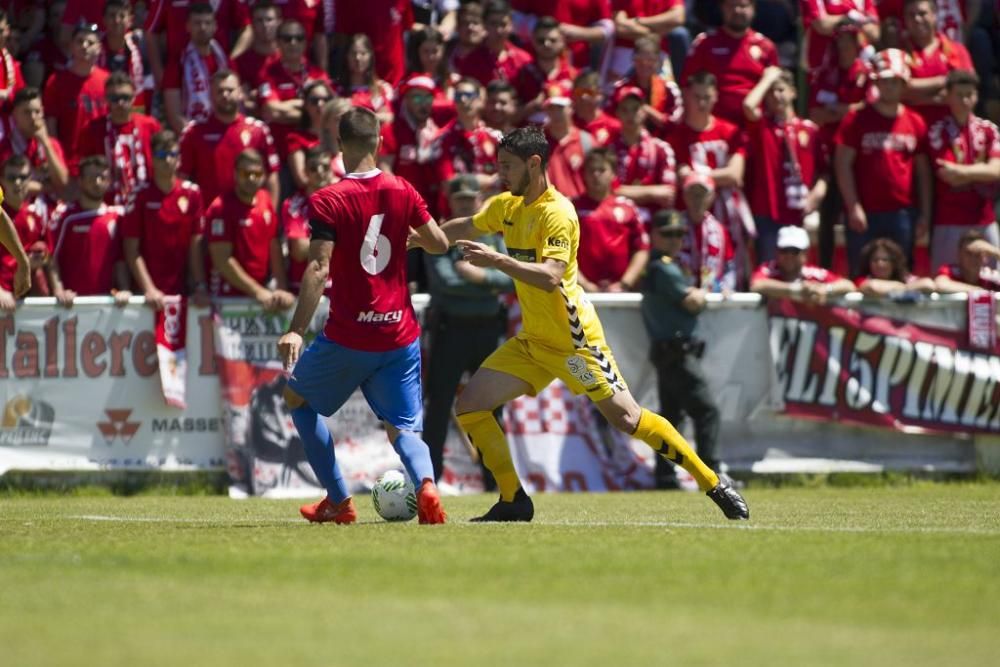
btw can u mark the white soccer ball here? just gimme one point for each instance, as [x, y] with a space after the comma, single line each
[394, 497]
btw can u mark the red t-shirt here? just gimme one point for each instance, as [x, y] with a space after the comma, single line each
[12, 142]
[250, 228]
[639, 9]
[31, 223]
[989, 278]
[604, 128]
[128, 149]
[707, 254]
[664, 96]
[781, 159]
[280, 85]
[737, 63]
[704, 150]
[469, 151]
[821, 48]
[250, 67]
[165, 223]
[295, 222]
[74, 101]
[610, 234]
[87, 246]
[484, 65]
[886, 148]
[361, 96]
[978, 141]
[933, 62]
[418, 156]
[83, 11]
[530, 80]
[385, 22]
[573, 12]
[565, 167]
[11, 80]
[832, 85]
[209, 149]
[198, 89]
[170, 17]
[369, 215]
[809, 272]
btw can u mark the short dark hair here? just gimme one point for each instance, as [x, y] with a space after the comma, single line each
[249, 156]
[492, 7]
[115, 5]
[499, 86]
[163, 140]
[261, 5]
[470, 9]
[222, 74]
[586, 78]
[647, 43]
[96, 160]
[15, 160]
[961, 77]
[359, 128]
[702, 78]
[525, 142]
[200, 8]
[470, 81]
[602, 154]
[969, 237]
[545, 23]
[316, 154]
[117, 79]
[26, 94]
[907, 3]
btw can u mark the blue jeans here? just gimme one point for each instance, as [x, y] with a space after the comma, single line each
[894, 225]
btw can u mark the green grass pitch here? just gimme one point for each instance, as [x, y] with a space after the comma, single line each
[830, 576]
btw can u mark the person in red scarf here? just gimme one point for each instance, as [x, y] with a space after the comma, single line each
[125, 51]
[707, 253]
[187, 77]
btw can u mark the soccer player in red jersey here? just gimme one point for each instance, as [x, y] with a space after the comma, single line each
[265, 20]
[360, 228]
[209, 147]
[785, 175]
[385, 23]
[25, 133]
[497, 57]
[550, 66]
[975, 268]
[125, 51]
[188, 74]
[882, 167]
[965, 155]
[587, 112]
[123, 137]
[243, 242]
[30, 223]
[932, 56]
[75, 96]
[87, 252]
[11, 80]
[295, 213]
[162, 231]
[736, 54]
[820, 19]
[568, 144]
[614, 245]
[790, 277]
[467, 144]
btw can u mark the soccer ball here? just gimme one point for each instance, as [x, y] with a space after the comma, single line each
[394, 497]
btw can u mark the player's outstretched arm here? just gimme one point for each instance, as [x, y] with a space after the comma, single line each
[432, 238]
[546, 275]
[461, 229]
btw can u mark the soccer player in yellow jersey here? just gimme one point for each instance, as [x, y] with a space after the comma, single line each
[561, 336]
[10, 241]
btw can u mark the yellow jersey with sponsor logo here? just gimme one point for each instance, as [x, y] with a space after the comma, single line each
[548, 227]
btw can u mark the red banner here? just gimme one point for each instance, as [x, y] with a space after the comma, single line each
[842, 365]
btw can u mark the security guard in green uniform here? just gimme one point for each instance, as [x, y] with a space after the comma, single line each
[466, 319]
[670, 308]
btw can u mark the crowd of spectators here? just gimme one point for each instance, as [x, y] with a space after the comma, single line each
[167, 147]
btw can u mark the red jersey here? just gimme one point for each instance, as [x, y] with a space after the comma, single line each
[32, 226]
[573, 12]
[737, 63]
[74, 101]
[385, 22]
[783, 162]
[11, 80]
[165, 223]
[976, 142]
[529, 80]
[369, 215]
[707, 255]
[191, 73]
[830, 86]
[936, 61]
[820, 49]
[250, 228]
[295, 222]
[12, 142]
[209, 149]
[639, 9]
[87, 246]
[483, 64]
[417, 154]
[809, 272]
[664, 96]
[278, 84]
[170, 17]
[361, 96]
[83, 11]
[250, 67]
[565, 167]
[469, 151]
[128, 149]
[704, 150]
[604, 128]
[650, 161]
[886, 148]
[132, 60]
[989, 278]
[610, 234]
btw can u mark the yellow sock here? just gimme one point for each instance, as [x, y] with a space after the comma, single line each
[666, 441]
[486, 434]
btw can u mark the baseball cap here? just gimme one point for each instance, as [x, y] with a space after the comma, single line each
[558, 95]
[464, 185]
[667, 218]
[698, 178]
[793, 237]
[628, 91]
[417, 82]
[891, 64]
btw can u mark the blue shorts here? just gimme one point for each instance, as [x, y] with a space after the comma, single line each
[327, 374]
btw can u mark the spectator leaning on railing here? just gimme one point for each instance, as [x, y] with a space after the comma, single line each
[790, 277]
[975, 268]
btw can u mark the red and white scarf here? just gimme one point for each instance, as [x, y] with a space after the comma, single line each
[124, 151]
[197, 99]
[171, 335]
[705, 259]
[9, 73]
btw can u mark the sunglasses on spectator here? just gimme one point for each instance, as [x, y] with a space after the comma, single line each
[289, 38]
[463, 95]
[318, 99]
[251, 173]
[120, 98]
[163, 155]
[422, 98]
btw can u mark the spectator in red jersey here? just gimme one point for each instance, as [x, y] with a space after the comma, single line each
[501, 107]
[264, 23]
[736, 54]
[884, 272]
[315, 16]
[820, 20]
[316, 95]
[87, 253]
[295, 213]
[662, 96]
[124, 138]
[497, 57]
[614, 245]
[125, 51]
[467, 144]
[411, 146]
[647, 168]
[786, 177]
[284, 79]
[359, 81]
[30, 219]
[162, 231]
[585, 24]
[975, 268]
[425, 55]
[707, 253]
[25, 133]
[75, 96]
[568, 144]
[635, 19]
[932, 56]
[11, 80]
[882, 167]
[587, 112]
[469, 33]
[187, 77]
[167, 28]
[242, 231]
[550, 66]
[385, 23]
[209, 147]
[965, 151]
[790, 277]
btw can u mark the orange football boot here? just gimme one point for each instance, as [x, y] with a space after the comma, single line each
[429, 508]
[325, 511]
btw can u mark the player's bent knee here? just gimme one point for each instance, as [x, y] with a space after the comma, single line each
[469, 419]
[292, 399]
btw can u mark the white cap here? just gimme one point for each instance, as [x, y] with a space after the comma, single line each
[793, 237]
